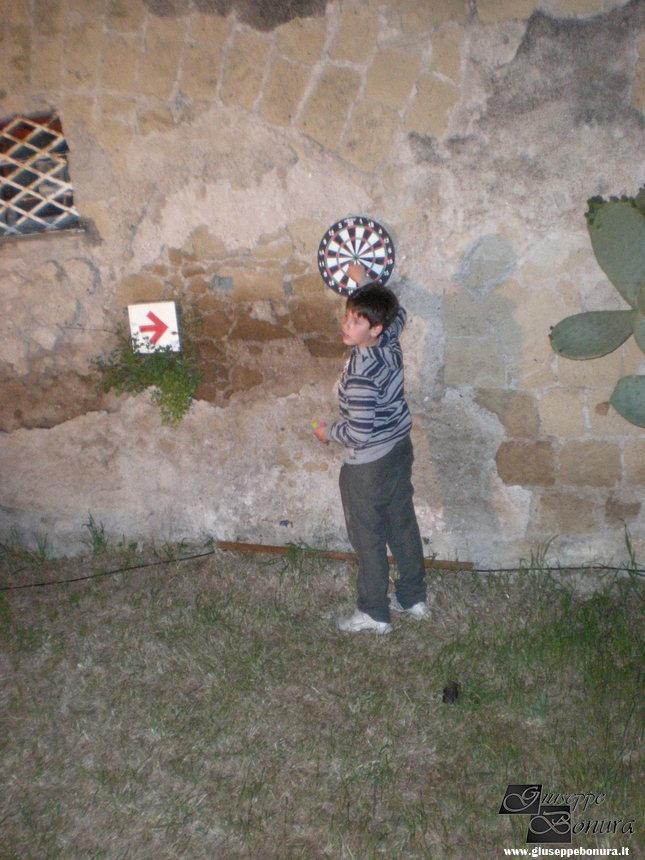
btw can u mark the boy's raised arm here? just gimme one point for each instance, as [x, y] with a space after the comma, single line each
[398, 323]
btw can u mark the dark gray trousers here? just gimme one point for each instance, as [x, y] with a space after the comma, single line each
[377, 501]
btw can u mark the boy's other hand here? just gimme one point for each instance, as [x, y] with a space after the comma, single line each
[319, 431]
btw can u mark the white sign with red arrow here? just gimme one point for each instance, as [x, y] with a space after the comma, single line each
[154, 326]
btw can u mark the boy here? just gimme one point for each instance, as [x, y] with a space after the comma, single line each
[375, 484]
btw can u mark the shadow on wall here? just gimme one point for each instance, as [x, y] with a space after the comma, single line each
[260, 14]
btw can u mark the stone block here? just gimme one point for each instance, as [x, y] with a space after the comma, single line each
[533, 367]
[306, 235]
[174, 256]
[357, 32]
[307, 285]
[156, 119]
[577, 8]
[472, 362]
[635, 462]
[16, 13]
[503, 301]
[46, 69]
[205, 246]
[208, 392]
[620, 510]
[558, 512]
[603, 418]
[486, 264]
[49, 303]
[243, 378]
[115, 138]
[283, 91]
[633, 358]
[527, 464]
[46, 400]
[120, 64]
[88, 7]
[274, 252]
[44, 337]
[446, 52]
[17, 48]
[525, 335]
[562, 412]
[209, 351]
[214, 370]
[496, 11]
[82, 52]
[369, 136]
[592, 373]
[320, 347]
[589, 464]
[638, 90]
[216, 325]
[295, 268]
[159, 64]
[203, 55]
[316, 315]
[126, 15]
[49, 17]
[391, 78]
[251, 284]
[76, 111]
[192, 269]
[302, 39]
[13, 350]
[138, 288]
[420, 16]
[326, 111]
[249, 328]
[197, 287]
[428, 113]
[517, 410]
[245, 69]
[118, 107]
[462, 316]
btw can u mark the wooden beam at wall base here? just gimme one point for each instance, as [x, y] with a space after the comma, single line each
[333, 555]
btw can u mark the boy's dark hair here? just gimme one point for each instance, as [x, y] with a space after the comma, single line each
[374, 302]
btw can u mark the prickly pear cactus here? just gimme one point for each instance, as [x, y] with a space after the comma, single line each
[617, 231]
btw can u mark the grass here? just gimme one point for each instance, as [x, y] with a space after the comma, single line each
[210, 708]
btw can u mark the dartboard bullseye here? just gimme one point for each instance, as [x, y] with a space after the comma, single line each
[355, 240]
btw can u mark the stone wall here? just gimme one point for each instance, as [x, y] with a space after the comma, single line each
[211, 144]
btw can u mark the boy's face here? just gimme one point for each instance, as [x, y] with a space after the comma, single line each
[356, 331]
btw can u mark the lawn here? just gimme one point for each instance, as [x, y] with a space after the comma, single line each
[209, 708]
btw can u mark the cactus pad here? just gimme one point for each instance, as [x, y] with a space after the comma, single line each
[617, 231]
[592, 334]
[628, 399]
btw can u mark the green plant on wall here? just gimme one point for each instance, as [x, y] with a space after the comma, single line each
[173, 376]
[617, 231]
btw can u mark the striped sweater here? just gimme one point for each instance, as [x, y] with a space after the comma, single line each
[374, 414]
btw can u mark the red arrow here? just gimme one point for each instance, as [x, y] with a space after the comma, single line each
[159, 328]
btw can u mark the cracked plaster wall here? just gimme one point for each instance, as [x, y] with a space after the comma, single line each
[212, 142]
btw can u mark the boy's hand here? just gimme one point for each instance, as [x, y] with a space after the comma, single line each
[357, 272]
[319, 430]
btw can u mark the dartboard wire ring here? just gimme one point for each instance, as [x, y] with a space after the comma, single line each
[358, 240]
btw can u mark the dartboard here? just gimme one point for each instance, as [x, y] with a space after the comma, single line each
[355, 240]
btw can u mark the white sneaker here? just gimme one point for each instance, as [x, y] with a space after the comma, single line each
[362, 621]
[418, 610]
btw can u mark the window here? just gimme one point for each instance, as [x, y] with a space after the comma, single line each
[35, 190]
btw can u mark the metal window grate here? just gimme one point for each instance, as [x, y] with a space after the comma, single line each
[35, 190]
